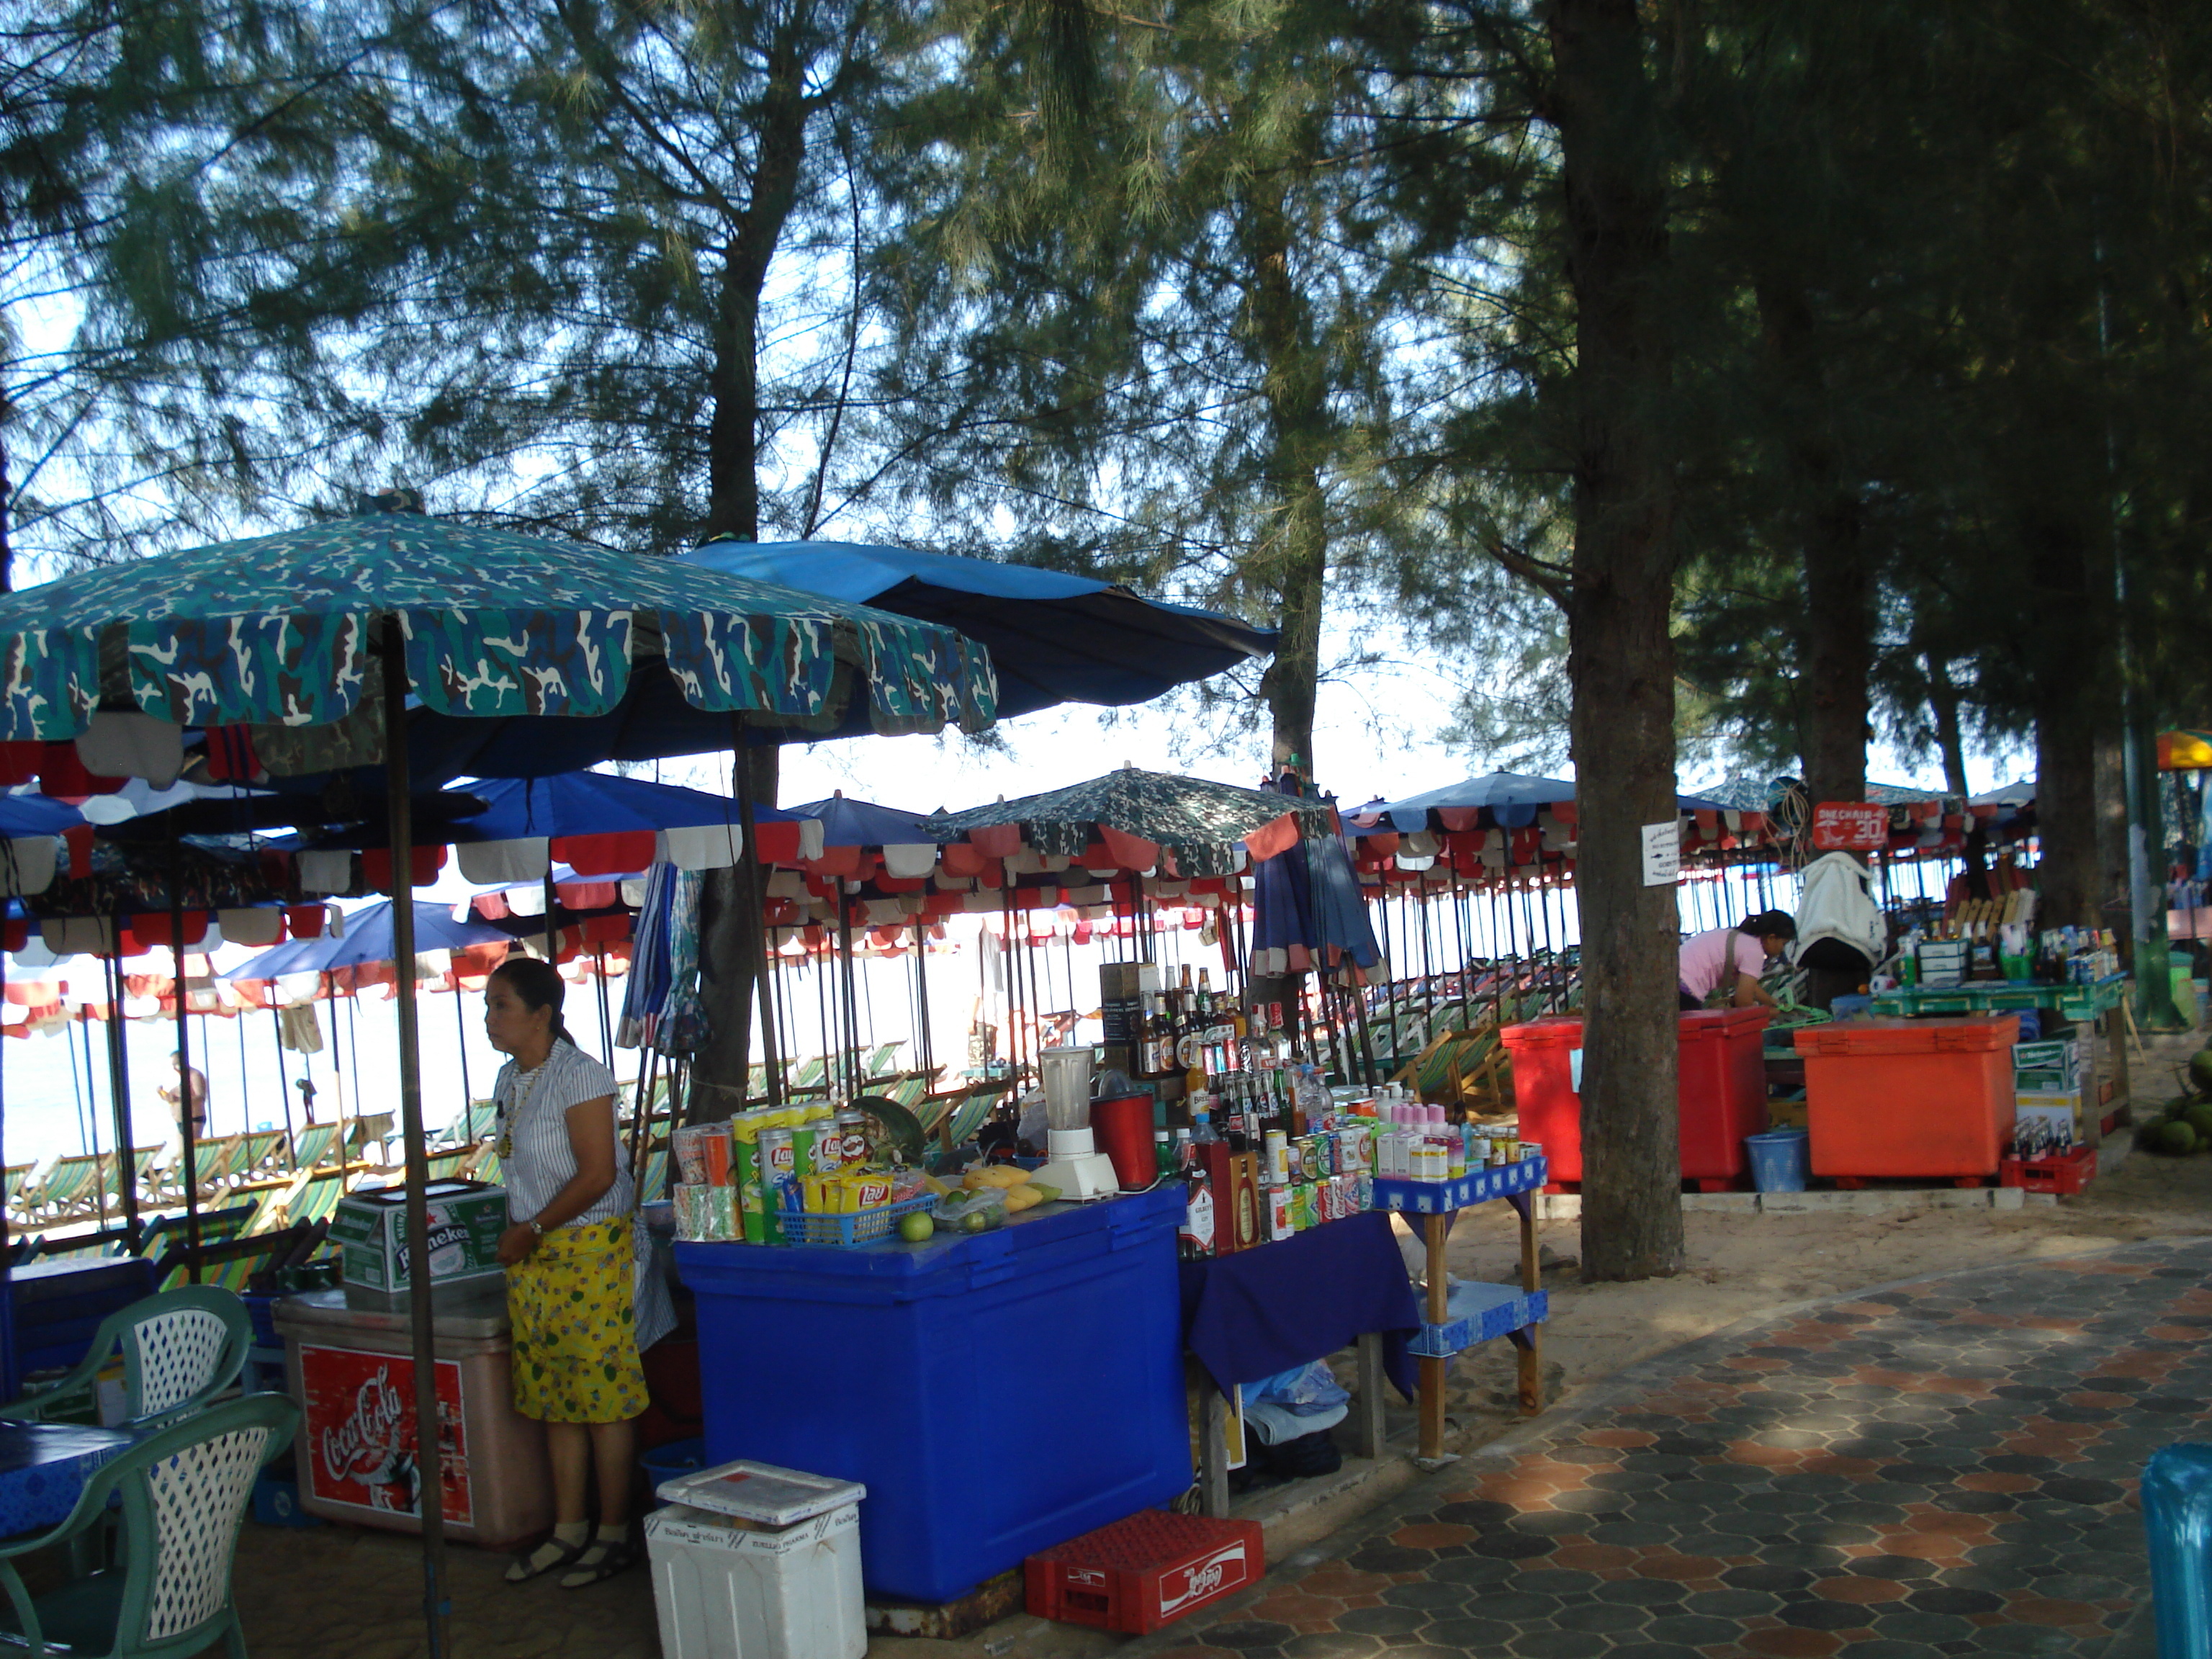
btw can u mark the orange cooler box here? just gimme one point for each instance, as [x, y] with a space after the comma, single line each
[1909, 1097]
[1721, 1091]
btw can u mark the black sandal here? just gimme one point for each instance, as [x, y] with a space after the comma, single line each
[602, 1558]
[567, 1558]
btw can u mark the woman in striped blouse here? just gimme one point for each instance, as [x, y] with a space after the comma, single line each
[567, 1255]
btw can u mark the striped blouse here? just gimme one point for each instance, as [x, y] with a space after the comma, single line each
[535, 1156]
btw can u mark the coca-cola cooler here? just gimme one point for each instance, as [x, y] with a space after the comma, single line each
[350, 1364]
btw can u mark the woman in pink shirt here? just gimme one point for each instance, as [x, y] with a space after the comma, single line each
[1733, 958]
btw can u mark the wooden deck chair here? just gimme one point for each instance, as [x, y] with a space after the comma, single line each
[318, 1143]
[882, 1060]
[13, 1178]
[654, 1184]
[78, 1247]
[370, 1126]
[216, 1162]
[56, 1189]
[316, 1198]
[263, 1156]
[812, 1074]
[484, 1165]
[444, 1166]
[168, 1242]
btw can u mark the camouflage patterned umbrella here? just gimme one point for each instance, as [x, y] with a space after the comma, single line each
[313, 640]
[1201, 825]
[282, 634]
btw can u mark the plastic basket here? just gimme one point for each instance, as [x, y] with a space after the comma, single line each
[2062, 1173]
[848, 1233]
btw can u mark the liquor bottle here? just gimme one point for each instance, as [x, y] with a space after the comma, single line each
[1198, 1225]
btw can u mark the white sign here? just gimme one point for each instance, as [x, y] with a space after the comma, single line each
[1662, 853]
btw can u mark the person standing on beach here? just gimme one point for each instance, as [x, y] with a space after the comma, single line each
[188, 1095]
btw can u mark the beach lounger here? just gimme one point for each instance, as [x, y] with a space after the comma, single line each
[59, 1191]
[264, 1155]
[316, 1144]
[882, 1060]
[12, 1179]
[484, 1165]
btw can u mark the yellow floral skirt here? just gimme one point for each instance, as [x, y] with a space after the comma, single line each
[574, 1335]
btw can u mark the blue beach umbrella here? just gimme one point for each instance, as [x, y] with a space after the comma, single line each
[1052, 637]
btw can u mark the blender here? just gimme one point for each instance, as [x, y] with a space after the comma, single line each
[1078, 1169]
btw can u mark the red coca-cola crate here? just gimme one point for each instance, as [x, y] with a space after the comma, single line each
[1144, 1572]
[2064, 1173]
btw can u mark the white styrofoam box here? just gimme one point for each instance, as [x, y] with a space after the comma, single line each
[725, 1588]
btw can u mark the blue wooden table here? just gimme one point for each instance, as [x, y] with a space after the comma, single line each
[43, 1468]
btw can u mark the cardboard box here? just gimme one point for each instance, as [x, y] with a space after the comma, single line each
[466, 1218]
[1240, 1216]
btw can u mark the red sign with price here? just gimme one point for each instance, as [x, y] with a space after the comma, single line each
[1850, 826]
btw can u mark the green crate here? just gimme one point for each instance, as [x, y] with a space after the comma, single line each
[2056, 1052]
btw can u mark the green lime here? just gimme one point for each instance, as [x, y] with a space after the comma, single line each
[974, 1222]
[917, 1227]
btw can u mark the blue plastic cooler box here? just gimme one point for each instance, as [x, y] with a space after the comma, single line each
[997, 1392]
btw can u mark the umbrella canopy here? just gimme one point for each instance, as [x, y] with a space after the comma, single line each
[30, 855]
[1052, 637]
[368, 940]
[1139, 816]
[600, 823]
[1504, 800]
[545, 650]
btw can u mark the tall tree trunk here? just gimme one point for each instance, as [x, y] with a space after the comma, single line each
[2070, 884]
[1837, 652]
[1620, 653]
[2108, 791]
[1943, 705]
[732, 958]
[1298, 415]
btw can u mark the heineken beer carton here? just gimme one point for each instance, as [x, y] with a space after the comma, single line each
[466, 1218]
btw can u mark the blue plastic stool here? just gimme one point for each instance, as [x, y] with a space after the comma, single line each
[2177, 1504]
[1780, 1160]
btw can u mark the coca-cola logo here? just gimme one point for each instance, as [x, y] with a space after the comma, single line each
[374, 1444]
[1223, 1570]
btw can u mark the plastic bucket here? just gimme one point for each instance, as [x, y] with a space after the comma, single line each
[1779, 1160]
[677, 1457]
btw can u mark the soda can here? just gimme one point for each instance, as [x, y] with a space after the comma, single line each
[1325, 1198]
[1304, 1212]
[778, 1165]
[1364, 1196]
[1275, 1169]
[1279, 1211]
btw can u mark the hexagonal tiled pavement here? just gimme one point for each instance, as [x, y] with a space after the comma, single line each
[1946, 1467]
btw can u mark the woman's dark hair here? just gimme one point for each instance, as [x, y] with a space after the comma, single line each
[1769, 924]
[538, 986]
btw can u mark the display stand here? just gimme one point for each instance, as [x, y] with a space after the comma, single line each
[1486, 1311]
[1253, 1313]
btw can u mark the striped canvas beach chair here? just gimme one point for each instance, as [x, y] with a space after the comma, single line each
[12, 1179]
[316, 1144]
[263, 1156]
[61, 1192]
[484, 1165]
[882, 1060]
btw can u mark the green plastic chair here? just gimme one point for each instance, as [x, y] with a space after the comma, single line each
[180, 1349]
[183, 1494]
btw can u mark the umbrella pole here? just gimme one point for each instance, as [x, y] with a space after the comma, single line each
[921, 996]
[187, 1129]
[283, 1081]
[120, 1091]
[430, 1451]
[552, 939]
[848, 1022]
[461, 1036]
[761, 982]
[245, 1088]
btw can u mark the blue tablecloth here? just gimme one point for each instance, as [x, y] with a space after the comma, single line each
[1257, 1312]
[43, 1468]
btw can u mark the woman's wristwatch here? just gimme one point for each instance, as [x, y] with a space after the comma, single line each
[535, 1226]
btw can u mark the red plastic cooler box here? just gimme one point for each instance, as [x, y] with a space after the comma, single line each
[1720, 1090]
[1927, 1097]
